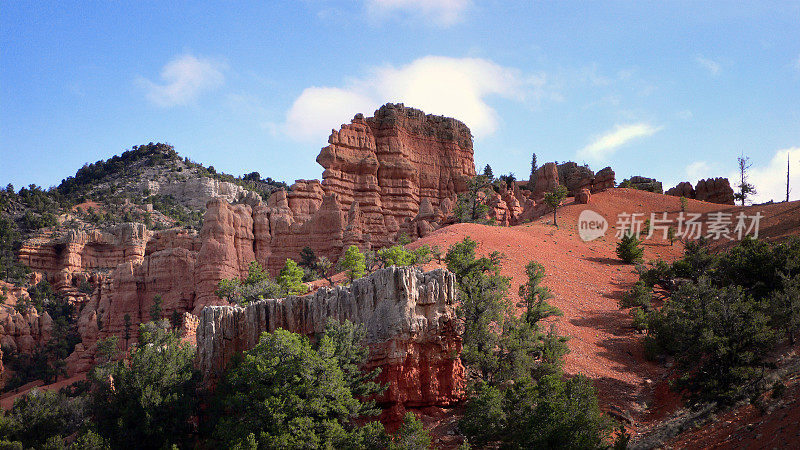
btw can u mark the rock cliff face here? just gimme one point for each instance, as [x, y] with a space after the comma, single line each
[683, 189]
[393, 162]
[714, 190]
[410, 320]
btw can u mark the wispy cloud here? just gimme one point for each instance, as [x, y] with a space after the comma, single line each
[183, 79]
[457, 87]
[606, 144]
[713, 67]
[444, 13]
[797, 63]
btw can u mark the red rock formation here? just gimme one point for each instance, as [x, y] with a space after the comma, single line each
[392, 162]
[411, 330]
[714, 190]
[22, 331]
[604, 179]
[683, 189]
[575, 177]
[60, 255]
[546, 179]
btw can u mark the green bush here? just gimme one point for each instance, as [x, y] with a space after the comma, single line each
[256, 286]
[550, 412]
[353, 263]
[286, 393]
[42, 416]
[723, 313]
[628, 248]
[291, 279]
[718, 336]
[149, 398]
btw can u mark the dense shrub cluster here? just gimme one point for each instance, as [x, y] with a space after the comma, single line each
[722, 314]
[258, 285]
[521, 398]
[287, 392]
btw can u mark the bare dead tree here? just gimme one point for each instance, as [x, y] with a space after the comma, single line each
[745, 189]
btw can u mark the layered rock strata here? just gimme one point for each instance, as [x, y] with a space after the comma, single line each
[411, 330]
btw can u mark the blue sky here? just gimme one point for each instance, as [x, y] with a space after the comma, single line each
[672, 90]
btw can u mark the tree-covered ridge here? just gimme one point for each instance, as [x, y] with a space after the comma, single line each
[134, 163]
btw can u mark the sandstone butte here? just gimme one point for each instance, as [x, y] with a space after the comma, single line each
[396, 173]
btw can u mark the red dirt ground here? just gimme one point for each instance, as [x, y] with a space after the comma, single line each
[587, 280]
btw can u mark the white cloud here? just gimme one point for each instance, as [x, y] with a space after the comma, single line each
[456, 87]
[684, 115]
[442, 12]
[605, 145]
[713, 67]
[319, 109]
[182, 80]
[770, 180]
[699, 170]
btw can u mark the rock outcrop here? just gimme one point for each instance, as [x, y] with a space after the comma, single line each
[575, 177]
[572, 176]
[21, 330]
[604, 179]
[583, 196]
[683, 189]
[195, 192]
[411, 330]
[645, 184]
[393, 162]
[714, 190]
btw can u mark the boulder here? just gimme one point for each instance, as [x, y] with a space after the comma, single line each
[583, 196]
[575, 177]
[645, 184]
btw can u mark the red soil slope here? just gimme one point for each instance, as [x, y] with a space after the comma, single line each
[587, 280]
